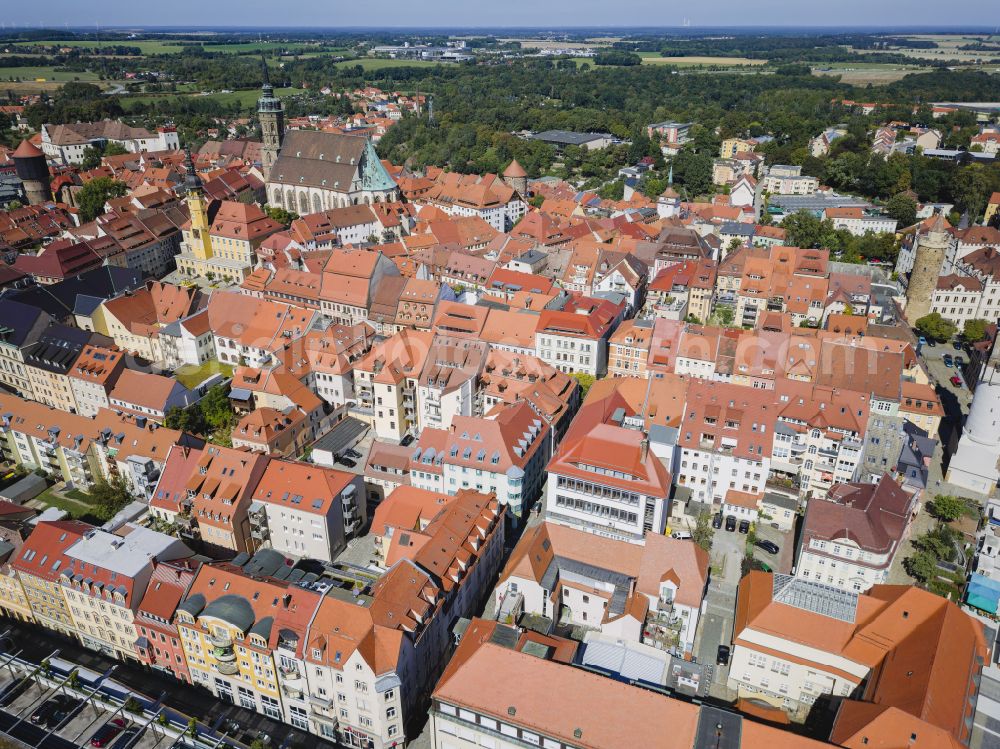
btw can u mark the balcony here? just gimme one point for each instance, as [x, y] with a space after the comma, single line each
[260, 534]
[293, 689]
[319, 704]
[220, 641]
[224, 655]
[227, 669]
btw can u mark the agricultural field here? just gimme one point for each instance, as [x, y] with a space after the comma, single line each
[244, 99]
[557, 44]
[947, 49]
[863, 73]
[651, 58]
[29, 74]
[146, 46]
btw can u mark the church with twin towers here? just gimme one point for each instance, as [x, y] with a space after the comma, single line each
[308, 171]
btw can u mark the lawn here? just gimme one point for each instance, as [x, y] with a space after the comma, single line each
[245, 99]
[29, 74]
[79, 506]
[191, 376]
[379, 63]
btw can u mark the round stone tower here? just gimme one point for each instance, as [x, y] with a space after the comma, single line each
[33, 171]
[515, 176]
[927, 262]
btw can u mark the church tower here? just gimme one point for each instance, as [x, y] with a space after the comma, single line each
[927, 262]
[271, 114]
[199, 239]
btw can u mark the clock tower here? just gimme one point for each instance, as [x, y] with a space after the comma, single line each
[271, 114]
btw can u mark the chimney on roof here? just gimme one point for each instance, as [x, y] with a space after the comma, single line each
[643, 450]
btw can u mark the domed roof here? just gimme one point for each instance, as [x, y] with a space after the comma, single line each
[27, 150]
[233, 609]
[515, 170]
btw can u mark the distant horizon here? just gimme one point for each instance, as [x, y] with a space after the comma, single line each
[603, 29]
[641, 15]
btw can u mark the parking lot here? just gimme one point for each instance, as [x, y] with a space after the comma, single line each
[86, 719]
[785, 540]
[941, 374]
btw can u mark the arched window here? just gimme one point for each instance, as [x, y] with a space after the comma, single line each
[303, 204]
[317, 203]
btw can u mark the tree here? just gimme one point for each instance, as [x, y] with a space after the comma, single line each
[190, 420]
[922, 566]
[585, 380]
[975, 330]
[693, 171]
[110, 497]
[91, 158]
[935, 327]
[617, 57]
[804, 229]
[724, 316]
[613, 190]
[279, 214]
[971, 186]
[947, 508]
[903, 208]
[93, 195]
[216, 408]
[703, 533]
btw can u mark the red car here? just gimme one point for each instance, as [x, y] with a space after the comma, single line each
[956, 381]
[106, 733]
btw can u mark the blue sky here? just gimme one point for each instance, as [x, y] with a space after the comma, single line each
[556, 13]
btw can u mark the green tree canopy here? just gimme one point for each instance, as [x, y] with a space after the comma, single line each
[947, 508]
[903, 208]
[585, 380]
[93, 195]
[975, 330]
[934, 327]
[110, 496]
[703, 533]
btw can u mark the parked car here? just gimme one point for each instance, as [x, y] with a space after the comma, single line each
[922, 341]
[681, 535]
[407, 439]
[744, 526]
[106, 733]
[722, 657]
[957, 345]
[959, 362]
[54, 710]
[932, 343]
[352, 453]
[717, 520]
[948, 361]
[769, 546]
[956, 381]
[348, 462]
[730, 522]
[125, 739]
